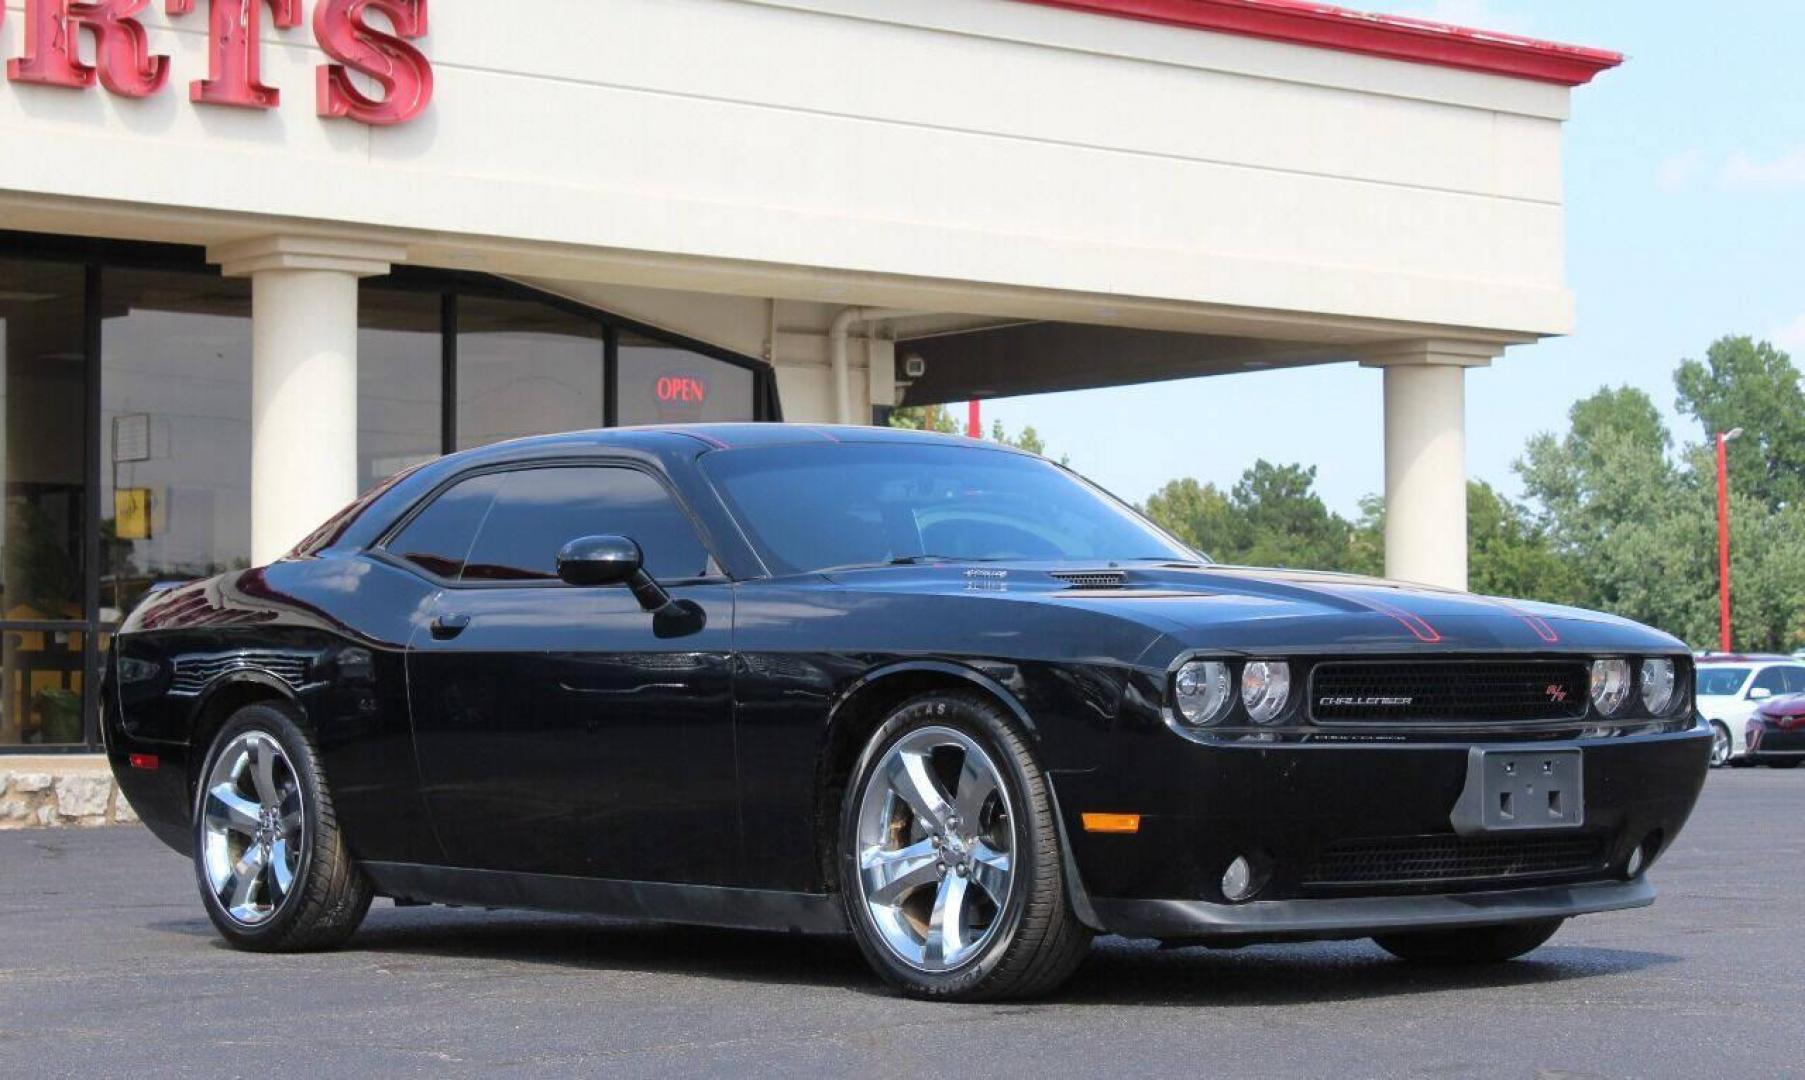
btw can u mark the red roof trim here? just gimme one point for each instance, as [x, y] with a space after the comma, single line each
[1390, 36]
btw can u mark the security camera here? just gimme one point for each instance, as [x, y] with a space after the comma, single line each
[914, 367]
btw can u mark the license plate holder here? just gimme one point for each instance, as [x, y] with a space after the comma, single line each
[1521, 790]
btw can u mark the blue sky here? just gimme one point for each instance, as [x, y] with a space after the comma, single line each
[1685, 176]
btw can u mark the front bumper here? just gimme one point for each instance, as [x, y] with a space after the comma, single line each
[1364, 916]
[1768, 743]
[1294, 809]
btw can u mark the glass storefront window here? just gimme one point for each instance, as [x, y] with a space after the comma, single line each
[399, 382]
[163, 417]
[175, 438]
[526, 368]
[43, 437]
[664, 383]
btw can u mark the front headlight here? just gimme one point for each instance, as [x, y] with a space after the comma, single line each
[1201, 691]
[1265, 687]
[1610, 685]
[1658, 686]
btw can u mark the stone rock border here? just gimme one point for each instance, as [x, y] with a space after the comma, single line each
[79, 795]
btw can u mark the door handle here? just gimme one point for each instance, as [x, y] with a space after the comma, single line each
[446, 627]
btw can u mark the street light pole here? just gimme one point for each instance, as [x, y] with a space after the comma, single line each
[1723, 536]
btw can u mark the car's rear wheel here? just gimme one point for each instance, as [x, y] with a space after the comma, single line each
[1471, 946]
[274, 871]
[950, 857]
[1720, 745]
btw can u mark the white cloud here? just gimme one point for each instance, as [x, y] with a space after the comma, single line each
[1678, 172]
[1790, 337]
[1742, 172]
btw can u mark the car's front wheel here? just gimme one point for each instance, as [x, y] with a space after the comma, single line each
[950, 856]
[273, 867]
[1471, 946]
[1721, 746]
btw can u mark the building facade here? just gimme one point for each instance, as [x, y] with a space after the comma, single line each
[257, 255]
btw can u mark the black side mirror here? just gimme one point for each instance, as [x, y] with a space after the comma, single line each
[613, 560]
[599, 560]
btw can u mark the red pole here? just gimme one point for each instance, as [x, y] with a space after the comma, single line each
[974, 420]
[1723, 542]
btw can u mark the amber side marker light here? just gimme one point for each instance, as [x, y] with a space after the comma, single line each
[1112, 823]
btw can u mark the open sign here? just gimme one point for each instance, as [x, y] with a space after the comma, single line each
[682, 388]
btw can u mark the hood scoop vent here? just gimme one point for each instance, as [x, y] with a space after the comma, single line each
[1093, 579]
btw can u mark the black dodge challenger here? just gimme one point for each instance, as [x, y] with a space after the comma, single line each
[941, 694]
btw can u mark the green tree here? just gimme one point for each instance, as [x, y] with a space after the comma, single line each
[1272, 517]
[1748, 384]
[940, 418]
[1640, 529]
[1201, 516]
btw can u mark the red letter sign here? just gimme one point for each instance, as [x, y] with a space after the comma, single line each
[121, 51]
[402, 70]
[235, 51]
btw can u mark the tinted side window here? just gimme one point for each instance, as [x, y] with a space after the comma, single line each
[439, 537]
[1771, 679]
[541, 510]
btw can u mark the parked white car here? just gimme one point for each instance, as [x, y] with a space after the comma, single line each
[1730, 688]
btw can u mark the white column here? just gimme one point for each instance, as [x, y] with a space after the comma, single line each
[1426, 457]
[303, 378]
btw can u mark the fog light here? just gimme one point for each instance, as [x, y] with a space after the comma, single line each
[1238, 882]
[1634, 866]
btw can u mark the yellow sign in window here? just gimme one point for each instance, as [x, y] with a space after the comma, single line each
[131, 513]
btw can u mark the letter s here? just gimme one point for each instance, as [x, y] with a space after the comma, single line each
[404, 73]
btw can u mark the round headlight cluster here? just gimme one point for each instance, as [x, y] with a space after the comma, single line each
[1203, 691]
[1265, 686]
[1610, 685]
[1659, 686]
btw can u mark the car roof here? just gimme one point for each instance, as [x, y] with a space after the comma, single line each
[1710, 659]
[734, 436]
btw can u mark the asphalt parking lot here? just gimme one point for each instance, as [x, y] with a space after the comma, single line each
[109, 968]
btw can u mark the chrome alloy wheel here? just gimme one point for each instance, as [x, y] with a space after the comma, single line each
[936, 846]
[253, 828]
[1720, 745]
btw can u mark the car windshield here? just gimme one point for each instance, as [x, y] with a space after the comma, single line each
[813, 508]
[1721, 681]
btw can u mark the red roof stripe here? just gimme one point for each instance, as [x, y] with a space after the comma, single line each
[1390, 36]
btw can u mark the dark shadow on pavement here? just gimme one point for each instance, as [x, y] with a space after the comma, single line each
[1117, 972]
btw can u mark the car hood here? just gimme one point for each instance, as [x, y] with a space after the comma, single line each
[1251, 609]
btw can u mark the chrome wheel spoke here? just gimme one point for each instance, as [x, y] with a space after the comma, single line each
[976, 785]
[911, 778]
[891, 875]
[281, 872]
[990, 870]
[946, 944]
[245, 875]
[228, 810]
[291, 814]
[263, 773]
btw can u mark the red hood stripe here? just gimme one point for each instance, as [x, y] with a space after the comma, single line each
[1416, 624]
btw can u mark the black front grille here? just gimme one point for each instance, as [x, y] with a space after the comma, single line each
[1454, 860]
[1448, 691]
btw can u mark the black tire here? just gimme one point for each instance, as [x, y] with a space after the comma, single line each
[1470, 947]
[1038, 941]
[1722, 746]
[330, 895]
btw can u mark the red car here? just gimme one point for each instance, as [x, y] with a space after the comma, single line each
[1776, 733]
